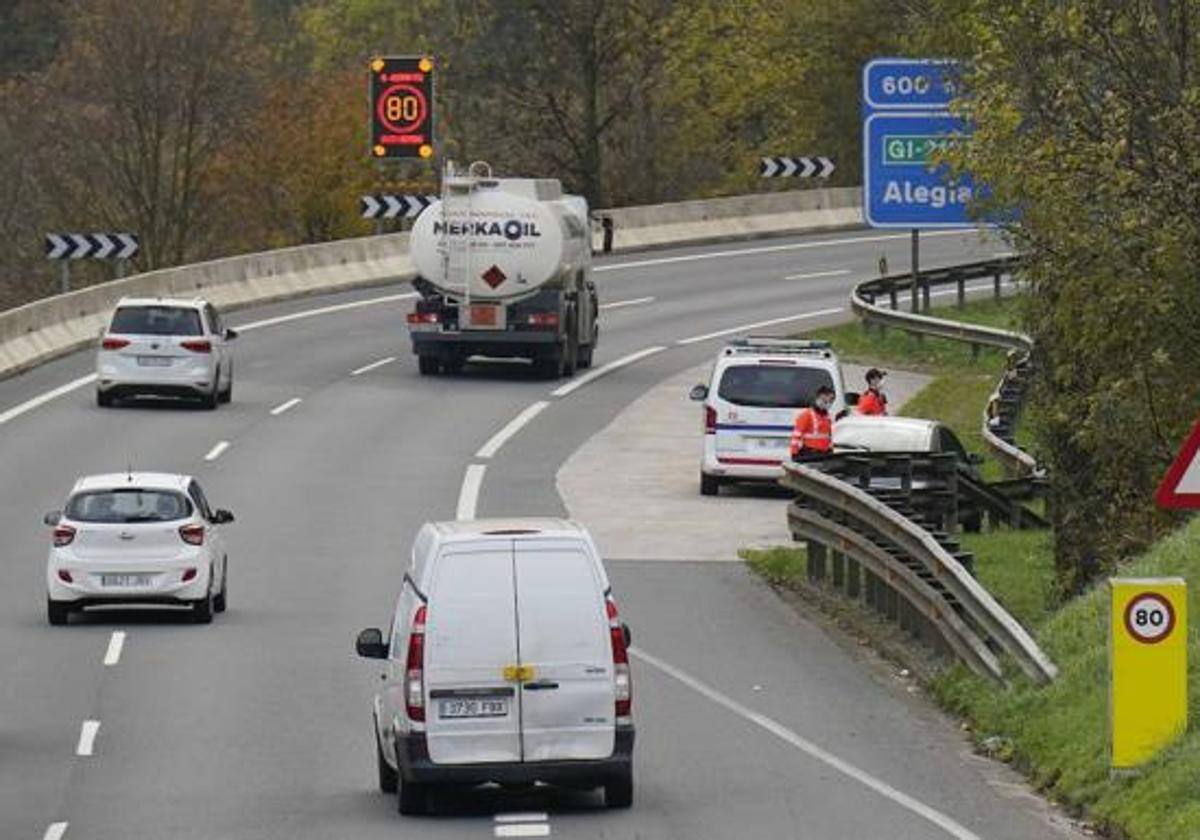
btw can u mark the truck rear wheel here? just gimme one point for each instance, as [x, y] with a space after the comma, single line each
[550, 366]
[428, 365]
[571, 354]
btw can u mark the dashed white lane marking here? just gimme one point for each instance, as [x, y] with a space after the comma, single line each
[618, 304]
[772, 249]
[282, 407]
[87, 737]
[592, 375]
[323, 310]
[116, 644]
[215, 452]
[43, 398]
[523, 830]
[55, 831]
[942, 821]
[813, 275]
[365, 368]
[515, 425]
[518, 817]
[468, 495]
[769, 323]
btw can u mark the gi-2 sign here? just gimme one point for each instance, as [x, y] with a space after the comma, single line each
[401, 107]
[1148, 667]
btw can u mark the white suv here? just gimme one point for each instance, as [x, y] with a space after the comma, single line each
[137, 538]
[505, 662]
[750, 403]
[165, 347]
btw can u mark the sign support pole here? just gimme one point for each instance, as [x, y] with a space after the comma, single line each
[65, 280]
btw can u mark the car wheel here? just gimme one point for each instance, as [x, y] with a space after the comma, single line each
[202, 610]
[388, 777]
[412, 798]
[226, 394]
[103, 399]
[618, 791]
[58, 613]
[428, 365]
[221, 601]
[209, 401]
[710, 485]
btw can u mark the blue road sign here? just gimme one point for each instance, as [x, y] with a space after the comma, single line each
[901, 186]
[912, 84]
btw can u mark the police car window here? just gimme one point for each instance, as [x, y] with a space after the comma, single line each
[156, 320]
[766, 386]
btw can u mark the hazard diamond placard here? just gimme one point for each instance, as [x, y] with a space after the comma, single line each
[1180, 488]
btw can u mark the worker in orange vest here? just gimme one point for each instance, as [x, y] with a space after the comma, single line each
[813, 429]
[874, 401]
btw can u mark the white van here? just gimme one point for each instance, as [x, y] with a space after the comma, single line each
[505, 662]
[757, 386]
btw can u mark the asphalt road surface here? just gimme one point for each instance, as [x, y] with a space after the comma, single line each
[752, 724]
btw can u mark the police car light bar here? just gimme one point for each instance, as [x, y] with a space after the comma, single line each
[777, 344]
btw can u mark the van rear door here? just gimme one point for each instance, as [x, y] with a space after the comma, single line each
[756, 404]
[568, 702]
[472, 712]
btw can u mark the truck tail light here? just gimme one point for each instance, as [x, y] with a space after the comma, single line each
[543, 320]
[63, 535]
[192, 534]
[422, 317]
[414, 668]
[114, 343]
[622, 679]
[710, 420]
[197, 346]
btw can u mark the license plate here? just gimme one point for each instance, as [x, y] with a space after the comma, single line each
[484, 316]
[154, 361]
[473, 707]
[126, 580]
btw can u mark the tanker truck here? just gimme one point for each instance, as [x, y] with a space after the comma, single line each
[504, 270]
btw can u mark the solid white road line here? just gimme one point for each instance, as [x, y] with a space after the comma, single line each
[942, 821]
[468, 496]
[55, 831]
[618, 304]
[518, 817]
[323, 310]
[772, 322]
[812, 275]
[87, 737]
[592, 375]
[360, 371]
[772, 249]
[282, 407]
[515, 425]
[116, 644]
[43, 398]
[523, 830]
[215, 452]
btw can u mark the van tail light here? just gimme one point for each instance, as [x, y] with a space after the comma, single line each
[710, 420]
[63, 535]
[197, 346]
[422, 317]
[543, 320]
[65, 576]
[114, 343]
[622, 680]
[188, 574]
[414, 668]
[192, 534]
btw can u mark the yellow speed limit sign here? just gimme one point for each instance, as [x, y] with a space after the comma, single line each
[1148, 667]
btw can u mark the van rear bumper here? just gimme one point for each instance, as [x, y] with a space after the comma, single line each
[416, 766]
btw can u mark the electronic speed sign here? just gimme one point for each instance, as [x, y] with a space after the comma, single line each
[402, 107]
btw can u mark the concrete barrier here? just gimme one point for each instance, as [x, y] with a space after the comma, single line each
[39, 331]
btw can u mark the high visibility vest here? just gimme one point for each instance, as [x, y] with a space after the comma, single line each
[812, 431]
[872, 402]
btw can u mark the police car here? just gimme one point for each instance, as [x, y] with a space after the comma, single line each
[750, 403]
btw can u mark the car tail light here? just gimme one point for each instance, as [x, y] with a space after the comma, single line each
[197, 346]
[414, 668]
[189, 574]
[65, 576]
[114, 343]
[710, 420]
[422, 317]
[192, 534]
[544, 320]
[63, 535]
[622, 679]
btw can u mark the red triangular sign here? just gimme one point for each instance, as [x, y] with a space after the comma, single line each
[1180, 488]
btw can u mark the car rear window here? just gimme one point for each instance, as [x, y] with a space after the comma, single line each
[128, 505]
[156, 320]
[769, 386]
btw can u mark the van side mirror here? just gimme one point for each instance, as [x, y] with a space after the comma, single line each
[230, 334]
[369, 644]
[52, 518]
[222, 517]
[852, 397]
[698, 392]
[626, 634]
[974, 458]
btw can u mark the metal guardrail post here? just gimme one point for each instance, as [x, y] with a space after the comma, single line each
[816, 561]
[962, 289]
[852, 578]
[996, 284]
[838, 564]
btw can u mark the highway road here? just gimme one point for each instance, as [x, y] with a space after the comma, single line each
[752, 723]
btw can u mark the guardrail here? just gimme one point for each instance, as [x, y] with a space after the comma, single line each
[999, 417]
[902, 570]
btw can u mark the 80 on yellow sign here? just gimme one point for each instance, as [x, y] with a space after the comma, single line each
[401, 91]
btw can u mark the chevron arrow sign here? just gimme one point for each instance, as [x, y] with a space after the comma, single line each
[394, 206]
[97, 246]
[796, 167]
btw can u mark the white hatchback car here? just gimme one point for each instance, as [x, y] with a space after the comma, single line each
[758, 384]
[505, 662]
[167, 348]
[137, 538]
